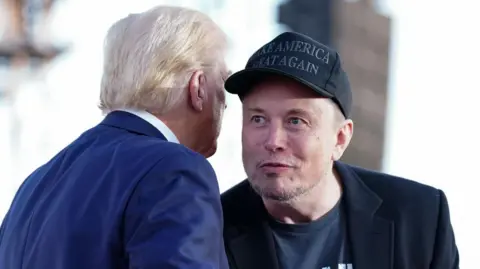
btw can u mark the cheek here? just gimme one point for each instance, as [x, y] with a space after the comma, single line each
[218, 110]
[250, 150]
[310, 148]
[218, 116]
[250, 140]
[245, 140]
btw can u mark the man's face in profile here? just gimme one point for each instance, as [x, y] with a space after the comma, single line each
[216, 104]
[288, 138]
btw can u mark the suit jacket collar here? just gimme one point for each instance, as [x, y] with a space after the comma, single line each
[131, 123]
[371, 236]
[157, 123]
[250, 239]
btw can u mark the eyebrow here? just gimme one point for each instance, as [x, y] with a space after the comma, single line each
[256, 110]
[298, 111]
[294, 111]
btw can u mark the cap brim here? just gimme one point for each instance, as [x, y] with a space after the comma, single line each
[243, 81]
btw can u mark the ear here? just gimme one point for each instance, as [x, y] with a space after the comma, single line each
[343, 138]
[197, 89]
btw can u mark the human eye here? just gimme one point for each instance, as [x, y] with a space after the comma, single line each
[257, 119]
[296, 121]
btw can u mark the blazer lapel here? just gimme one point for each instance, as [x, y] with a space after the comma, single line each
[254, 248]
[250, 241]
[371, 236]
[372, 241]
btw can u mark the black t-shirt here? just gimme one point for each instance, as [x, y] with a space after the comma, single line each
[321, 244]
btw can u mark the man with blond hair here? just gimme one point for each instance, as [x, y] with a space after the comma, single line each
[136, 190]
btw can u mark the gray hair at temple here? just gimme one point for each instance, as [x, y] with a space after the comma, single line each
[149, 57]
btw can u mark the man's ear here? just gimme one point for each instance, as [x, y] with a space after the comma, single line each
[197, 89]
[344, 136]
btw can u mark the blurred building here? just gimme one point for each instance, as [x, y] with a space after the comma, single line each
[362, 36]
[26, 49]
[25, 41]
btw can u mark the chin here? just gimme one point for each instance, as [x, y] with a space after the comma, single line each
[275, 189]
[280, 188]
[211, 151]
[278, 195]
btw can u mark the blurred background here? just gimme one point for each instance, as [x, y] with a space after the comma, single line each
[413, 66]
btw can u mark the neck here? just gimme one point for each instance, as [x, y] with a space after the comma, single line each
[181, 125]
[309, 206]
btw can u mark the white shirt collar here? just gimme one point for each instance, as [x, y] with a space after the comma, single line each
[169, 135]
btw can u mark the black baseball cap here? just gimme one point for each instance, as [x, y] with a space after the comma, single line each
[300, 58]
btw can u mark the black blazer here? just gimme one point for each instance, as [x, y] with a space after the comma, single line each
[393, 223]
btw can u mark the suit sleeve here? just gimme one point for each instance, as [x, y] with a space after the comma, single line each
[445, 250]
[2, 227]
[174, 218]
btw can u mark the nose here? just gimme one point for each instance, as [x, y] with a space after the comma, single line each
[276, 139]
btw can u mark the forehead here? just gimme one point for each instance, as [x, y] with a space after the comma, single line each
[281, 94]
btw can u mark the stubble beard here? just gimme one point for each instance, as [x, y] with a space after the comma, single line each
[284, 195]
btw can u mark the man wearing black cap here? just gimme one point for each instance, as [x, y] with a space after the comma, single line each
[300, 207]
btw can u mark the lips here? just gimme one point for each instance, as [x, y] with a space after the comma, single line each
[275, 164]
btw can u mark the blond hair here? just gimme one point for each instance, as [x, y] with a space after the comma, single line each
[149, 57]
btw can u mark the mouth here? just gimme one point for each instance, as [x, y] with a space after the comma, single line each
[274, 164]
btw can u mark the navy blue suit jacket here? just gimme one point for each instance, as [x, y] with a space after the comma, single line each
[120, 196]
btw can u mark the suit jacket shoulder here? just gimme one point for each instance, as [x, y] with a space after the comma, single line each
[398, 192]
[118, 195]
[176, 206]
[421, 218]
